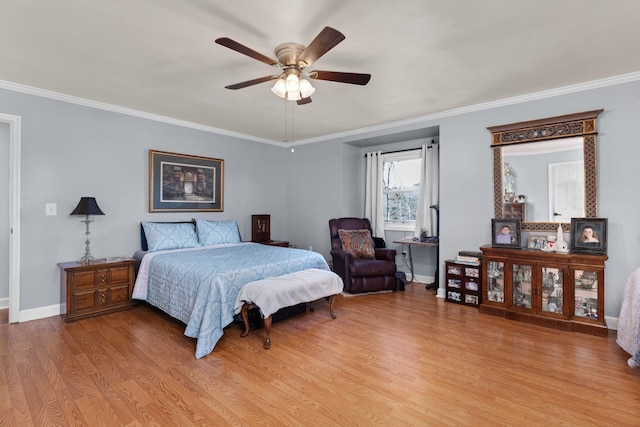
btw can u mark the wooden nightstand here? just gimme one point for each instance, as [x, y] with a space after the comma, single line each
[101, 287]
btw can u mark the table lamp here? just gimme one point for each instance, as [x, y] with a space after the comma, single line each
[87, 206]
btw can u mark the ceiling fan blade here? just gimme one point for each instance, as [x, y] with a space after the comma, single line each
[251, 82]
[323, 43]
[341, 77]
[234, 45]
[303, 101]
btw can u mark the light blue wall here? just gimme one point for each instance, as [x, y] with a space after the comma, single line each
[466, 175]
[69, 151]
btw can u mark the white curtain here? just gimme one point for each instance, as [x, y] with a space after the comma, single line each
[373, 193]
[426, 217]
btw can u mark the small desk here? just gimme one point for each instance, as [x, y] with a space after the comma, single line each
[410, 242]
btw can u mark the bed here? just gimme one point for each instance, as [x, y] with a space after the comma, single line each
[628, 334]
[193, 271]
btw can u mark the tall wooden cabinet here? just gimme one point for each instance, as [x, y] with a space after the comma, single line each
[261, 231]
[562, 291]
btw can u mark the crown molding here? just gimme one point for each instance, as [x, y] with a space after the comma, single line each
[348, 135]
[416, 121]
[16, 87]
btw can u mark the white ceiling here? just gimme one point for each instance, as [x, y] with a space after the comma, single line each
[425, 56]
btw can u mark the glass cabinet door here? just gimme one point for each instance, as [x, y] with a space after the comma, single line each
[552, 282]
[586, 294]
[522, 285]
[495, 281]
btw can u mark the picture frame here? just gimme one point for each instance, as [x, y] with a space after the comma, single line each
[500, 239]
[471, 299]
[589, 235]
[538, 243]
[471, 286]
[183, 183]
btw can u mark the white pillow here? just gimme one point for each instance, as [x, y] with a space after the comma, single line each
[163, 236]
[217, 232]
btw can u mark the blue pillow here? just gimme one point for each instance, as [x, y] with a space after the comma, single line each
[217, 232]
[164, 236]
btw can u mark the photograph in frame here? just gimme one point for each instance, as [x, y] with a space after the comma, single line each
[505, 233]
[589, 235]
[538, 243]
[181, 182]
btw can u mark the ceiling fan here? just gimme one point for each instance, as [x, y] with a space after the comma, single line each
[293, 58]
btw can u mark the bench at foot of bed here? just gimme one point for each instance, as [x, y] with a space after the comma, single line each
[274, 293]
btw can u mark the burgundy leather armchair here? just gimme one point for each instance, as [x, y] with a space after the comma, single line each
[362, 275]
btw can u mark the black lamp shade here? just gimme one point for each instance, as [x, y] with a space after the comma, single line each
[87, 206]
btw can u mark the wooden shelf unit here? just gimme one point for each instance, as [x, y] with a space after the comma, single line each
[463, 283]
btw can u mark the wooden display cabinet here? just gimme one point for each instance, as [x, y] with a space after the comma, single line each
[562, 291]
[463, 283]
[96, 288]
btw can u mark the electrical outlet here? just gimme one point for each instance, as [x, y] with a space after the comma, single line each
[404, 254]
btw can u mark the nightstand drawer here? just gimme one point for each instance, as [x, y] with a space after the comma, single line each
[119, 293]
[119, 276]
[84, 280]
[83, 300]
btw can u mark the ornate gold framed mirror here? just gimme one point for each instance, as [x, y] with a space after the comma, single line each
[552, 132]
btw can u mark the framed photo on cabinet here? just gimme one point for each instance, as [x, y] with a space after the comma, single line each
[589, 235]
[505, 233]
[538, 242]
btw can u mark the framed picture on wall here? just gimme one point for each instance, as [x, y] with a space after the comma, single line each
[180, 182]
[589, 235]
[505, 233]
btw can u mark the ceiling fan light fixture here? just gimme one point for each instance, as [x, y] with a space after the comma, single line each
[293, 96]
[280, 88]
[293, 83]
[306, 90]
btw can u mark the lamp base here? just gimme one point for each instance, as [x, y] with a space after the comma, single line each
[87, 259]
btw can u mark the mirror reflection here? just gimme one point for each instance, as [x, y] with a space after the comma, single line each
[550, 183]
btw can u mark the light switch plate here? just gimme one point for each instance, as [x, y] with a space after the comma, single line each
[50, 209]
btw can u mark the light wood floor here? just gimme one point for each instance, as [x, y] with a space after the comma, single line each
[397, 359]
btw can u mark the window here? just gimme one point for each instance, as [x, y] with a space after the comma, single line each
[401, 179]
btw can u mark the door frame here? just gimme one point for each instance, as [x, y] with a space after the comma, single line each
[15, 137]
[552, 187]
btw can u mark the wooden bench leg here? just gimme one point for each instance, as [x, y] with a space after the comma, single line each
[244, 312]
[267, 326]
[332, 302]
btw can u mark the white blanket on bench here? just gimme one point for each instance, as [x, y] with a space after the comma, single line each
[273, 293]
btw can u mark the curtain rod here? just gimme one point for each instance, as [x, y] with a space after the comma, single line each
[433, 142]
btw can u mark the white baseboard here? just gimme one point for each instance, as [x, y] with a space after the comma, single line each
[39, 313]
[425, 280]
[4, 303]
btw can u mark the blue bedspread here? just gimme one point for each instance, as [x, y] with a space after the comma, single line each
[200, 287]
